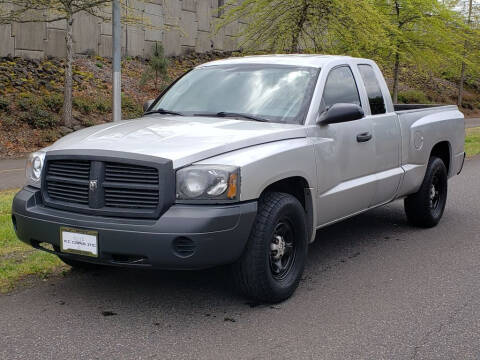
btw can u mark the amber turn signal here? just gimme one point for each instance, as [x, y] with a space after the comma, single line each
[232, 186]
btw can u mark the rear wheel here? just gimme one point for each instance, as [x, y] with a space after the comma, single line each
[425, 207]
[274, 259]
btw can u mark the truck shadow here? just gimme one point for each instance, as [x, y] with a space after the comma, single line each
[212, 289]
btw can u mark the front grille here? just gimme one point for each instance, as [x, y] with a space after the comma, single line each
[111, 188]
[67, 181]
[70, 169]
[122, 173]
[63, 191]
[143, 196]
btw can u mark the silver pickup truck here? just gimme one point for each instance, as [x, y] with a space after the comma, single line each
[239, 162]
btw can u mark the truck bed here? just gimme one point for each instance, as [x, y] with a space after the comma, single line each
[409, 107]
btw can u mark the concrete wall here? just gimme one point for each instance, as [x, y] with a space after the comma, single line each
[181, 25]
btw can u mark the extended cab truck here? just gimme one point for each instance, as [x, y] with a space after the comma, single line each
[239, 162]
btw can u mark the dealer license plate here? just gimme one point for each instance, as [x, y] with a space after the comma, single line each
[80, 242]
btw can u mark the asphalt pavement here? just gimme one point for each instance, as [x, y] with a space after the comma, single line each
[374, 288]
[469, 123]
[12, 173]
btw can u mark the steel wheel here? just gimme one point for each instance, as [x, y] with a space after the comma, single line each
[283, 249]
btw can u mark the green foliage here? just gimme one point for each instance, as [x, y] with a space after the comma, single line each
[320, 26]
[26, 102]
[87, 105]
[430, 35]
[40, 118]
[4, 105]
[157, 66]
[423, 33]
[8, 122]
[50, 135]
[53, 102]
[413, 97]
[83, 104]
[131, 108]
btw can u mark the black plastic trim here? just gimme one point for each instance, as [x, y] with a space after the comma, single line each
[164, 167]
[217, 233]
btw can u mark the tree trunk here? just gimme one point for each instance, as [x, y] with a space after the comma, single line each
[67, 94]
[396, 70]
[464, 65]
[299, 27]
[396, 66]
[460, 84]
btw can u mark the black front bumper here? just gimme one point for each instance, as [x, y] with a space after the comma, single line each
[184, 237]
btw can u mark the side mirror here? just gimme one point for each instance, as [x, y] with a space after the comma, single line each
[341, 112]
[147, 104]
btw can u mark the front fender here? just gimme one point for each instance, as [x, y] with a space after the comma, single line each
[265, 164]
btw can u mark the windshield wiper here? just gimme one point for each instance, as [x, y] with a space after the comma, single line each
[233, 114]
[163, 111]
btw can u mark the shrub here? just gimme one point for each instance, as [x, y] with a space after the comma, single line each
[130, 108]
[413, 97]
[157, 66]
[103, 105]
[27, 102]
[4, 105]
[87, 122]
[53, 102]
[8, 122]
[50, 135]
[84, 105]
[40, 119]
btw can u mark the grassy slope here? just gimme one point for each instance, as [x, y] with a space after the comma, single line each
[18, 260]
[472, 142]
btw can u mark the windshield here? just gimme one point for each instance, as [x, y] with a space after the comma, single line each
[268, 92]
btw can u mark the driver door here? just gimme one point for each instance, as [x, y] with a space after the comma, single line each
[345, 154]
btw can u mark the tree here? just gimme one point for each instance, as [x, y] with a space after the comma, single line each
[471, 10]
[424, 32]
[157, 66]
[290, 26]
[28, 11]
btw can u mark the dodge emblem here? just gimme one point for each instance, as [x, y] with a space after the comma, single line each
[93, 185]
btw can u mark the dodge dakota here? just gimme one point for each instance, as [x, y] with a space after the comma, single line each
[238, 163]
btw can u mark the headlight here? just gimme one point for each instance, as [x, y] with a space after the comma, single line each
[33, 170]
[208, 182]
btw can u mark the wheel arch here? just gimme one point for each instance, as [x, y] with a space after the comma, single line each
[443, 150]
[298, 187]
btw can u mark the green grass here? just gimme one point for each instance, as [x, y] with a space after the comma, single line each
[472, 142]
[18, 260]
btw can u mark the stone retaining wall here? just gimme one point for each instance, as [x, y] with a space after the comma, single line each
[181, 25]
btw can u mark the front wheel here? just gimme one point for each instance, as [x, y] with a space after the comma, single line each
[425, 207]
[274, 259]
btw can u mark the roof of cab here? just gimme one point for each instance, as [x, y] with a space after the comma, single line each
[294, 59]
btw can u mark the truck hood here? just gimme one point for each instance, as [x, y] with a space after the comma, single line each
[182, 139]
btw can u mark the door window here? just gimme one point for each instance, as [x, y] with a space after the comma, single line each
[340, 88]
[374, 92]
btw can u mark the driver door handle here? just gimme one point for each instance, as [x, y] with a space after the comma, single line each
[364, 137]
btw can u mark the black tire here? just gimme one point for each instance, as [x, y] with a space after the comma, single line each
[81, 265]
[272, 264]
[425, 207]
